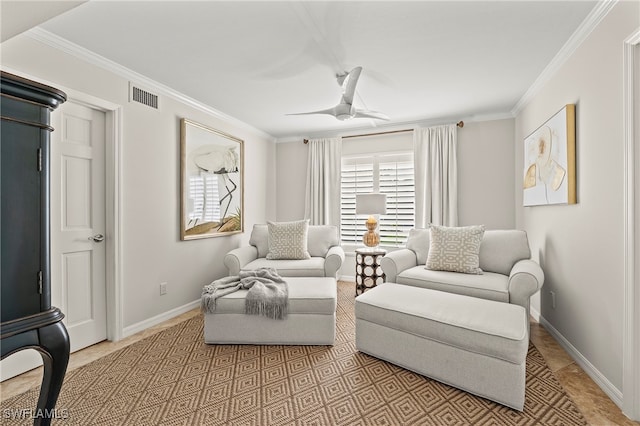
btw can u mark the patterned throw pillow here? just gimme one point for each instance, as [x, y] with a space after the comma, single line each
[288, 240]
[455, 249]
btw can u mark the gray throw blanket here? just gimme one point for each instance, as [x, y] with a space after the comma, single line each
[267, 295]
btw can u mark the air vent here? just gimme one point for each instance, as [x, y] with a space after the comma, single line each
[144, 97]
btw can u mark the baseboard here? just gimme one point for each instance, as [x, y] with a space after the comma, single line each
[534, 313]
[612, 392]
[150, 322]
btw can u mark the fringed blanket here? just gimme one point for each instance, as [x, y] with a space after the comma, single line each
[267, 295]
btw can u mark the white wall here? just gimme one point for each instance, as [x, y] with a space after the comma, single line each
[291, 180]
[485, 176]
[152, 250]
[580, 247]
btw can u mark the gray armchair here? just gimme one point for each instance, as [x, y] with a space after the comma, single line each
[509, 274]
[323, 244]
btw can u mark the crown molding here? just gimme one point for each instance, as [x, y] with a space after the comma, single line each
[577, 38]
[80, 52]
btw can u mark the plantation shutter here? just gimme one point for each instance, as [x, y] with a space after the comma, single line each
[397, 182]
[390, 174]
[356, 178]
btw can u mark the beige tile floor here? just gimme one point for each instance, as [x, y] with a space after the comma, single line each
[595, 405]
[591, 400]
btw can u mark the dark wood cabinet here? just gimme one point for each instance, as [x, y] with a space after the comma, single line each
[27, 317]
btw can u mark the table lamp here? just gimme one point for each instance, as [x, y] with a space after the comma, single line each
[371, 204]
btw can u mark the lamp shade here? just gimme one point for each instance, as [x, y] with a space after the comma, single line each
[371, 203]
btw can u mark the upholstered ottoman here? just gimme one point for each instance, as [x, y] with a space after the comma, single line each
[311, 319]
[477, 345]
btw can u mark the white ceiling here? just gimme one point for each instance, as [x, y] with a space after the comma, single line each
[19, 16]
[257, 61]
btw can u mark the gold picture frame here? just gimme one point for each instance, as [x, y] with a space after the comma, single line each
[550, 161]
[212, 182]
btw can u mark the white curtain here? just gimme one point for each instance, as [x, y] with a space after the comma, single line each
[322, 204]
[436, 175]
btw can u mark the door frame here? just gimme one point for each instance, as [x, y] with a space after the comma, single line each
[113, 203]
[631, 325]
[113, 198]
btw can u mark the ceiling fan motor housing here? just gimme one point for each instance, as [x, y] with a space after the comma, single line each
[345, 112]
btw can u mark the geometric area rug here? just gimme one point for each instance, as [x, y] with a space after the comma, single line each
[173, 378]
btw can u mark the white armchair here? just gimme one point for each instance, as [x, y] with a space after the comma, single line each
[323, 245]
[509, 275]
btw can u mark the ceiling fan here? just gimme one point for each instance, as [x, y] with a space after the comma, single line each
[345, 109]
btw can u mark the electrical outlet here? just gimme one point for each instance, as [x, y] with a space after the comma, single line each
[163, 289]
[553, 299]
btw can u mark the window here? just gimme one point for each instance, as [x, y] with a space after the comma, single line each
[387, 173]
[203, 192]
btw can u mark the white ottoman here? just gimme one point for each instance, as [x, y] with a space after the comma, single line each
[311, 319]
[477, 345]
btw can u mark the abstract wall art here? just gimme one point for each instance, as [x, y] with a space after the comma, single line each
[550, 161]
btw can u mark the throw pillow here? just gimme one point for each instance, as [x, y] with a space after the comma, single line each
[288, 240]
[455, 249]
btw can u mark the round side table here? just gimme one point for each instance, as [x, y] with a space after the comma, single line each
[368, 271]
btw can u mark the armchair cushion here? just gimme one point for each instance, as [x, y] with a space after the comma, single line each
[237, 258]
[501, 249]
[419, 242]
[333, 261]
[260, 239]
[288, 240]
[397, 261]
[489, 285]
[321, 239]
[312, 267]
[526, 278]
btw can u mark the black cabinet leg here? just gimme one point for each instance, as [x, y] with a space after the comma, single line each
[54, 348]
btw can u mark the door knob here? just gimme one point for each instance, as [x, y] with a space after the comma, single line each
[98, 238]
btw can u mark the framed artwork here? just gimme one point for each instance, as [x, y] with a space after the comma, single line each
[550, 161]
[212, 182]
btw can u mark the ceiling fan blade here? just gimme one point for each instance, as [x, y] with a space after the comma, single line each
[329, 111]
[349, 85]
[345, 109]
[371, 114]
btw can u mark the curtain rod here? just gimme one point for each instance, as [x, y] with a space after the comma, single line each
[459, 124]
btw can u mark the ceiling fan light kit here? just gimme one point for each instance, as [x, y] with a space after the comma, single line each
[345, 109]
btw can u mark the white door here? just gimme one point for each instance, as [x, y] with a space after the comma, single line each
[78, 285]
[78, 222]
